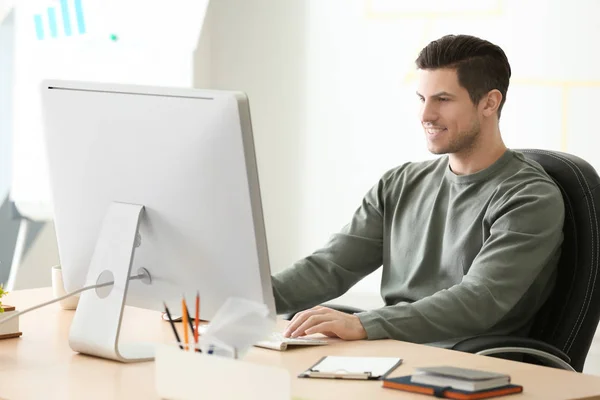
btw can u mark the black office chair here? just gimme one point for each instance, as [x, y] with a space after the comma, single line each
[563, 329]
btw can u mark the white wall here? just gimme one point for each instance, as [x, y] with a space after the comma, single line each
[35, 267]
[259, 47]
[5, 7]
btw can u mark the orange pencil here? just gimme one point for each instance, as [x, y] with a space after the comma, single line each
[184, 318]
[197, 326]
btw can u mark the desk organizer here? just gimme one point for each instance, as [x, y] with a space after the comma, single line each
[185, 375]
[9, 329]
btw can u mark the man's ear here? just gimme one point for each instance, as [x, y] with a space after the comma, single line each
[491, 102]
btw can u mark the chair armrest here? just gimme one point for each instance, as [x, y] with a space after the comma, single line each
[497, 344]
[338, 307]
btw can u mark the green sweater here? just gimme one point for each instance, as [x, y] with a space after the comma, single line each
[461, 255]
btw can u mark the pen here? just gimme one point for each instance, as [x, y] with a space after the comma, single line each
[197, 327]
[190, 321]
[184, 316]
[173, 326]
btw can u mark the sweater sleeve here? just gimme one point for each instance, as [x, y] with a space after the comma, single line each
[329, 272]
[523, 246]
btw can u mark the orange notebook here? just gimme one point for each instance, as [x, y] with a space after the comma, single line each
[404, 383]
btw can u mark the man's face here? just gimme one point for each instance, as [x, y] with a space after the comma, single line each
[449, 117]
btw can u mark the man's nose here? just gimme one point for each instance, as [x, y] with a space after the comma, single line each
[429, 113]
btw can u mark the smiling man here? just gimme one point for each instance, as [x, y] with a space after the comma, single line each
[468, 242]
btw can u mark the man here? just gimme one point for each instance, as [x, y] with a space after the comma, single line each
[469, 242]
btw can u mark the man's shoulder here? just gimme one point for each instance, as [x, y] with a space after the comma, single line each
[527, 179]
[527, 171]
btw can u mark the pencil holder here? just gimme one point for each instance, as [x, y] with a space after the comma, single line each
[187, 375]
[9, 329]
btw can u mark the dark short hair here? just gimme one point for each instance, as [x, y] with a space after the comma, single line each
[481, 66]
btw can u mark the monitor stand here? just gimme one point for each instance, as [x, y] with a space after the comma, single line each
[97, 322]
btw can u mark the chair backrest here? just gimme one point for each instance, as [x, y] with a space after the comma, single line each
[568, 320]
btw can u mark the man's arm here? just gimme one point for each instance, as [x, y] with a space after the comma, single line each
[524, 239]
[348, 257]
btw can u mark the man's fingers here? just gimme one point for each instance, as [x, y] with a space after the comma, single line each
[310, 322]
[301, 317]
[298, 320]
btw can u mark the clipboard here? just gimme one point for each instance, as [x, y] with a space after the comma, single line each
[361, 368]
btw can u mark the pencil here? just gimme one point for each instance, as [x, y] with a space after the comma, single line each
[184, 317]
[190, 320]
[197, 318]
[173, 326]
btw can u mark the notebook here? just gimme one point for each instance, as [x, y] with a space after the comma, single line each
[460, 378]
[404, 383]
[341, 367]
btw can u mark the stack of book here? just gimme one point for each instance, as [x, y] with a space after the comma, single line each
[455, 383]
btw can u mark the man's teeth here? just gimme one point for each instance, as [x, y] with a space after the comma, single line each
[436, 130]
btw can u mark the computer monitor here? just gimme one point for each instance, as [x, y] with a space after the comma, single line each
[157, 179]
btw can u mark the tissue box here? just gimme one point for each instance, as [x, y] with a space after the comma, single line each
[9, 329]
[186, 375]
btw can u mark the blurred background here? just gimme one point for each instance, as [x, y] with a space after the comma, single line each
[331, 85]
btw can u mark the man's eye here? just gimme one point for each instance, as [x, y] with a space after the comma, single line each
[422, 100]
[443, 99]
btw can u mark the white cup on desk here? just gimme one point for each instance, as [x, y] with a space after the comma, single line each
[58, 290]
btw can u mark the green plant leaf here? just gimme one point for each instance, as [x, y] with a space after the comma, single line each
[2, 294]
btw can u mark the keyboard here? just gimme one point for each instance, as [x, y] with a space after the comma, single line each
[276, 341]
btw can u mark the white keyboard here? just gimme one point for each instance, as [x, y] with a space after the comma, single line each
[276, 341]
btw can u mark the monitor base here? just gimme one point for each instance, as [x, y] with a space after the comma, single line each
[97, 322]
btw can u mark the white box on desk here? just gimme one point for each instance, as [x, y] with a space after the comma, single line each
[184, 375]
[9, 329]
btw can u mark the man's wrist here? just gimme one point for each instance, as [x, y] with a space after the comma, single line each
[361, 331]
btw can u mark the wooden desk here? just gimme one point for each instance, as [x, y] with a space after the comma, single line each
[40, 364]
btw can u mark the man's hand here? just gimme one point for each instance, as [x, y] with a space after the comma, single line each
[329, 322]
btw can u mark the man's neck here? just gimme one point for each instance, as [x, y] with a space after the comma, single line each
[477, 159]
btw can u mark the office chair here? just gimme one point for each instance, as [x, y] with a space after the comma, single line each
[563, 329]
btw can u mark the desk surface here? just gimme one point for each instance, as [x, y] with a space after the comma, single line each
[40, 364]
